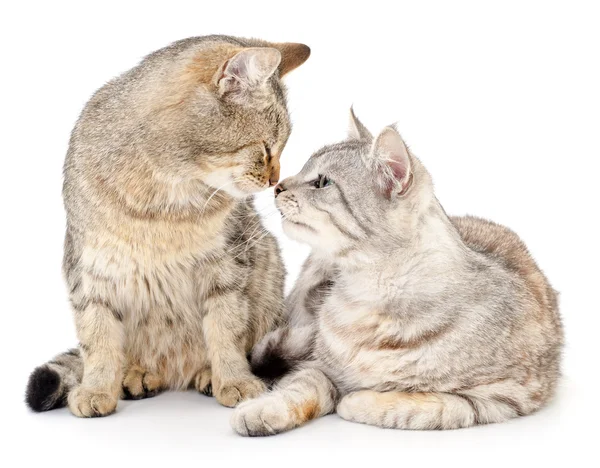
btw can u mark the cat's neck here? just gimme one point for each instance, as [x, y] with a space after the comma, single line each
[420, 259]
[147, 192]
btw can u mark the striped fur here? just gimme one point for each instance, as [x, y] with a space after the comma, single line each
[51, 383]
[427, 322]
[171, 276]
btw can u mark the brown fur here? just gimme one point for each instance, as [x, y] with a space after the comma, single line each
[172, 277]
[306, 411]
[412, 343]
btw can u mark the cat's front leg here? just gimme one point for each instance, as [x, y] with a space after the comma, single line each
[101, 337]
[301, 396]
[226, 331]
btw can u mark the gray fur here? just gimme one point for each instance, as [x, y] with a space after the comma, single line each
[432, 322]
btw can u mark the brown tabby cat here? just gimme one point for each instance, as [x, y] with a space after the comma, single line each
[168, 287]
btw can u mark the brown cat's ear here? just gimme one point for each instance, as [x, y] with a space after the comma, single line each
[292, 56]
[248, 69]
[356, 130]
[391, 160]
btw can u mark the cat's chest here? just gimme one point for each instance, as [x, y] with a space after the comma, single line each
[375, 285]
[155, 269]
[356, 344]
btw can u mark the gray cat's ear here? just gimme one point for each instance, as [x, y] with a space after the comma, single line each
[392, 163]
[356, 130]
[249, 69]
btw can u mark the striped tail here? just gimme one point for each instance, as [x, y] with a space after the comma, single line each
[282, 350]
[50, 384]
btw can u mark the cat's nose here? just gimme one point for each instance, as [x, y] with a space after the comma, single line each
[279, 188]
[273, 180]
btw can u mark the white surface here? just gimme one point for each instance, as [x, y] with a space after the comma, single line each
[500, 102]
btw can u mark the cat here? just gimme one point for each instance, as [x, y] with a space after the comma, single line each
[402, 317]
[169, 281]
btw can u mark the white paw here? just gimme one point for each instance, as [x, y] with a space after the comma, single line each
[88, 403]
[262, 417]
[354, 406]
[232, 392]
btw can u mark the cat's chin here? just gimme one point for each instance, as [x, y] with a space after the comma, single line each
[239, 193]
[223, 181]
[299, 231]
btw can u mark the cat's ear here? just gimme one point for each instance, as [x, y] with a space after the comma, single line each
[292, 56]
[356, 130]
[391, 161]
[249, 69]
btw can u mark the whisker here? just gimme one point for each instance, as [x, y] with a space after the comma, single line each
[252, 238]
[254, 225]
[250, 245]
[264, 209]
[232, 181]
[257, 226]
[212, 195]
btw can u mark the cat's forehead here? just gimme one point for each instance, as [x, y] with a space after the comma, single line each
[270, 125]
[340, 157]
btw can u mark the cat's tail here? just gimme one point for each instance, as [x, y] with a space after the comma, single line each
[423, 411]
[50, 384]
[281, 351]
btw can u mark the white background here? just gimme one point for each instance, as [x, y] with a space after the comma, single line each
[500, 101]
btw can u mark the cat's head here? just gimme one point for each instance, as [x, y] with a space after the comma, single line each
[354, 193]
[226, 102]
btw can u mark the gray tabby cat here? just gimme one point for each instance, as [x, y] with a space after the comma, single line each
[170, 284]
[402, 317]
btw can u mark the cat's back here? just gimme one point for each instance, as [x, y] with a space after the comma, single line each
[505, 246]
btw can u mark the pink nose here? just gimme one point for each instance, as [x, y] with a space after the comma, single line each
[279, 188]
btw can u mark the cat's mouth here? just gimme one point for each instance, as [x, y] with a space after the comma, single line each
[299, 224]
[299, 231]
[289, 218]
[251, 187]
[235, 185]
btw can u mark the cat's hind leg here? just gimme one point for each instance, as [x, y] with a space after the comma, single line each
[203, 382]
[482, 404]
[301, 396]
[139, 384]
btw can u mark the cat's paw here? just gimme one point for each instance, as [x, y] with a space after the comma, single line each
[232, 392]
[262, 417]
[203, 382]
[87, 403]
[361, 406]
[139, 384]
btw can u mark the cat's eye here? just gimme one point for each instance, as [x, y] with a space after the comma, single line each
[268, 152]
[322, 181]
